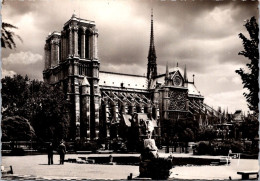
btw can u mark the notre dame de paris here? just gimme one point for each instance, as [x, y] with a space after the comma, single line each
[112, 105]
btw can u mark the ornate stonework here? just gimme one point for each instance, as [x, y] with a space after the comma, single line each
[108, 105]
[177, 100]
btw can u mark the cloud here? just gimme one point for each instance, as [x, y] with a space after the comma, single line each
[22, 58]
[24, 63]
[237, 80]
[202, 35]
[233, 100]
[222, 80]
[8, 73]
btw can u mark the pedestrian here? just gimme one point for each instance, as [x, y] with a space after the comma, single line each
[229, 153]
[62, 152]
[50, 154]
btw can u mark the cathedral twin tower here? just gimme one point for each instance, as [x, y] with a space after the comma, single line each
[77, 39]
[71, 61]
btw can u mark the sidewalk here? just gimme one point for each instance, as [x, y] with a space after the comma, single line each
[35, 167]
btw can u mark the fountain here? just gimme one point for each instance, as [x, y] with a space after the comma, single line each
[151, 165]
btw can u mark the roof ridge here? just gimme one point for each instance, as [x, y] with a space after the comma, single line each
[118, 73]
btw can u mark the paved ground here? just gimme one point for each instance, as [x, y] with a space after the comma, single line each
[35, 167]
[216, 172]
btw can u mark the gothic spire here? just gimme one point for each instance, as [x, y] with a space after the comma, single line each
[185, 74]
[152, 47]
[167, 72]
[152, 66]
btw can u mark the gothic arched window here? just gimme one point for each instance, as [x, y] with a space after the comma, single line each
[79, 41]
[87, 55]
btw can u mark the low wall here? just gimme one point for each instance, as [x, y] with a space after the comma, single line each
[121, 160]
[177, 161]
[134, 160]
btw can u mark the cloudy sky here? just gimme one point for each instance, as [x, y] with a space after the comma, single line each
[201, 34]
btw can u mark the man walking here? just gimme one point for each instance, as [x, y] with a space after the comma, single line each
[62, 151]
[50, 154]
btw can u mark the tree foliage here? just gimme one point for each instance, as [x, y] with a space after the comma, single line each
[49, 111]
[184, 130]
[10, 131]
[250, 127]
[8, 36]
[250, 79]
[207, 134]
[43, 105]
[15, 91]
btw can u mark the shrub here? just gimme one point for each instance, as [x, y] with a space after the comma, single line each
[202, 148]
[119, 146]
[86, 146]
[17, 152]
[237, 147]
[159, 168]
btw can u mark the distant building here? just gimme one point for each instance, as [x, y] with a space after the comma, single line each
[238, 116]
[109, 104]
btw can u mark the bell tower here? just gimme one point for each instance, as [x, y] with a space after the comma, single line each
[151, 66]
[71, 62]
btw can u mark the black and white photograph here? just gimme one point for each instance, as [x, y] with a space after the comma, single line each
[129, 90]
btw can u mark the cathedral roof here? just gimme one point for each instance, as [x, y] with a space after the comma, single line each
[192, 90]
[112, 79]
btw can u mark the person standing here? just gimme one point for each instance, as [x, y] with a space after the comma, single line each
[62, 152]
[50, 154]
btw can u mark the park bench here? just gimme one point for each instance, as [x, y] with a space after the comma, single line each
[3, 171]
[245, 174]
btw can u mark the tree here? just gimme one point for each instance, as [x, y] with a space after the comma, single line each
[207, 134]
[249, 128]
[49, 107]
[7, 36]
[10, 131]
[187, 136]
[43, 105]
[15, 91]
[250, 80]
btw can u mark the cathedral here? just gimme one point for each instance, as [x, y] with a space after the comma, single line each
[108, 105]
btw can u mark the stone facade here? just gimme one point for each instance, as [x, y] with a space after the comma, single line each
[71, 61]
[110, 105]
